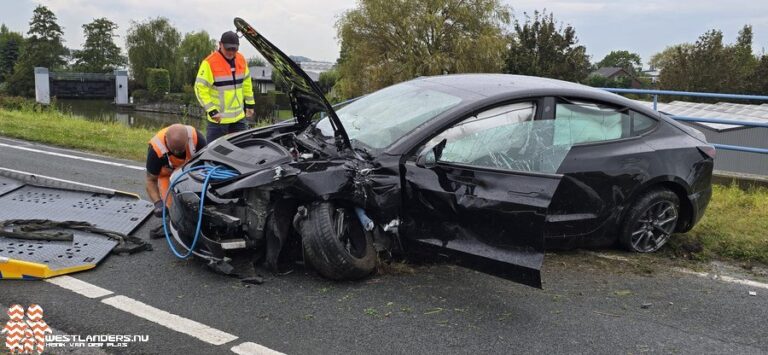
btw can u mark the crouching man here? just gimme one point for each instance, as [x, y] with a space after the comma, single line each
[169, 150]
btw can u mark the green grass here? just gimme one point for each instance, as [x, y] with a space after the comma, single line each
[735, 226]
[64, 130]
[284, 114]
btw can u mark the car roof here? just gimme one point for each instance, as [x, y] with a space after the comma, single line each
[485, 86]
[493, 84]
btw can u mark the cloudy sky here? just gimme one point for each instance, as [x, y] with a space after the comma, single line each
[306, 27]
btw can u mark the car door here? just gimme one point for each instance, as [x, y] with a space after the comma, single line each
[481, 189]
[606, 161]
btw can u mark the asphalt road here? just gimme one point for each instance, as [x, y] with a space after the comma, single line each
[589, 304]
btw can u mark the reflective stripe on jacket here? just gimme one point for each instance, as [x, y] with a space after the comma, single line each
[219, 88]
[158, 145]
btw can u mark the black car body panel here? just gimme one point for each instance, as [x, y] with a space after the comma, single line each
[496, 220]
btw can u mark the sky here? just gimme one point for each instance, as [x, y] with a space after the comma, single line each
[306, 27]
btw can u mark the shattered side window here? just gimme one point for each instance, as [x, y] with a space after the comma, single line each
[506, 138]
[587, 122]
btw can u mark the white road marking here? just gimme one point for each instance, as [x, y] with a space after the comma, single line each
[253, 349]
[724, 278]
[80, 287]
[607, 256]
[169, 320]
[61, 155]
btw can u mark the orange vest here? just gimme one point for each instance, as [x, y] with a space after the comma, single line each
[158, 145]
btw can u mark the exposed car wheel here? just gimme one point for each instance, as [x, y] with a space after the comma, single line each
[336, 244]
[650, 221]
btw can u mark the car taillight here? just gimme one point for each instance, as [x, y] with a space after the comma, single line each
[708, 150]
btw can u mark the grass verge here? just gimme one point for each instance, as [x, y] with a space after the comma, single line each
[734, 227]
[64, 130]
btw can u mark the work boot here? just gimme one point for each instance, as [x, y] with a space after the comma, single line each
[157, 232]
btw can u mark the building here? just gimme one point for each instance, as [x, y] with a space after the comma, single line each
[616, 73]
[261, 76]
[728, 160]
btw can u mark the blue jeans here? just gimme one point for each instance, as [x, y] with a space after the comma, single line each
[216, 130]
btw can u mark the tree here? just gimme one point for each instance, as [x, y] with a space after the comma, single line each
[10, 47]
[622, 59]
[256, 62]
[43, 48]
[193, 49]
[100, 54]
[152, 44]
[711, 66]
[660, 60]
[327, 80]
[384, 42]
[541, 47]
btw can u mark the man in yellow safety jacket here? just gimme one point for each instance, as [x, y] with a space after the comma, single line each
[224, 89]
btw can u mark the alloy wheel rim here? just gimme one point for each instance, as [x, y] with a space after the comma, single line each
[654, 227]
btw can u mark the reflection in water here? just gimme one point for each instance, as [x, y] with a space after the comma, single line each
[105, 111]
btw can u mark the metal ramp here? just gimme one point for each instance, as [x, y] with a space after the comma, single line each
[29, 196]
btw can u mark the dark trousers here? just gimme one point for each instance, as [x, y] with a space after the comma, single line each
[216, 130]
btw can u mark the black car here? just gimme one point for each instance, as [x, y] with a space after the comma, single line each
[492, 168]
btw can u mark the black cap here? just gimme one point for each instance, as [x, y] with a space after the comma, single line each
[230, 40]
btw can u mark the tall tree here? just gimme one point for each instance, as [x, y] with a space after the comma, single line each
[384, 42]
[193, 49]
[541, 47]
[100, 54]
[10, 47]
[709, 65]
[43, 48]
[659, 60]
[631, 62]
[152, 44]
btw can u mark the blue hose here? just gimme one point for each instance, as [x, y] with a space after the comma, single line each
[210, 172]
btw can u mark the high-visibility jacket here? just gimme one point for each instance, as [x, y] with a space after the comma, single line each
[223, 89]
[158, 145]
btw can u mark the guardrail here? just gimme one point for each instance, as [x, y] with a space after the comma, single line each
[656, 93]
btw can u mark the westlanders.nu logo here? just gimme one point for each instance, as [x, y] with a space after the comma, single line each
[31, 334]
[25, 335]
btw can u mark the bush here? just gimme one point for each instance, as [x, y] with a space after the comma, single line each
[18, 103]
[264, 107]
[140, 95]
[158, 82]
[188, 94]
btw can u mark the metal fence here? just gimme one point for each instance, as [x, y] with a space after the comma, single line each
[656, 93]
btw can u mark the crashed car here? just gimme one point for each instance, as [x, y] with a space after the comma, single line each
[488, 167]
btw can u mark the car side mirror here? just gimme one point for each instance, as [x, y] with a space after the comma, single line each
[428, 158]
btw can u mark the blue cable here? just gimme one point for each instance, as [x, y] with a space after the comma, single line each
[209, 173]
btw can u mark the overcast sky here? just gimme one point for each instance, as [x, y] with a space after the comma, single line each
[306, 27]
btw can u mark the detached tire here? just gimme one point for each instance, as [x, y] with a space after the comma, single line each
[336, 244]
[650, 221]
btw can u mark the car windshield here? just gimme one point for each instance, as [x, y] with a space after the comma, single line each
[381, 118]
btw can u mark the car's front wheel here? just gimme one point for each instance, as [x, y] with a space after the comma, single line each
[336, 244]
[650, 221]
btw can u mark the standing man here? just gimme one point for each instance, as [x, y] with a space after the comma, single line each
[169, 149]
[223, 87]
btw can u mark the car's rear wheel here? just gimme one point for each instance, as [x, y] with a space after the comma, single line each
[336, 244]
[650, 221]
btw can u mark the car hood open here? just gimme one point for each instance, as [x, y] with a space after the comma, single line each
[306, 98]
